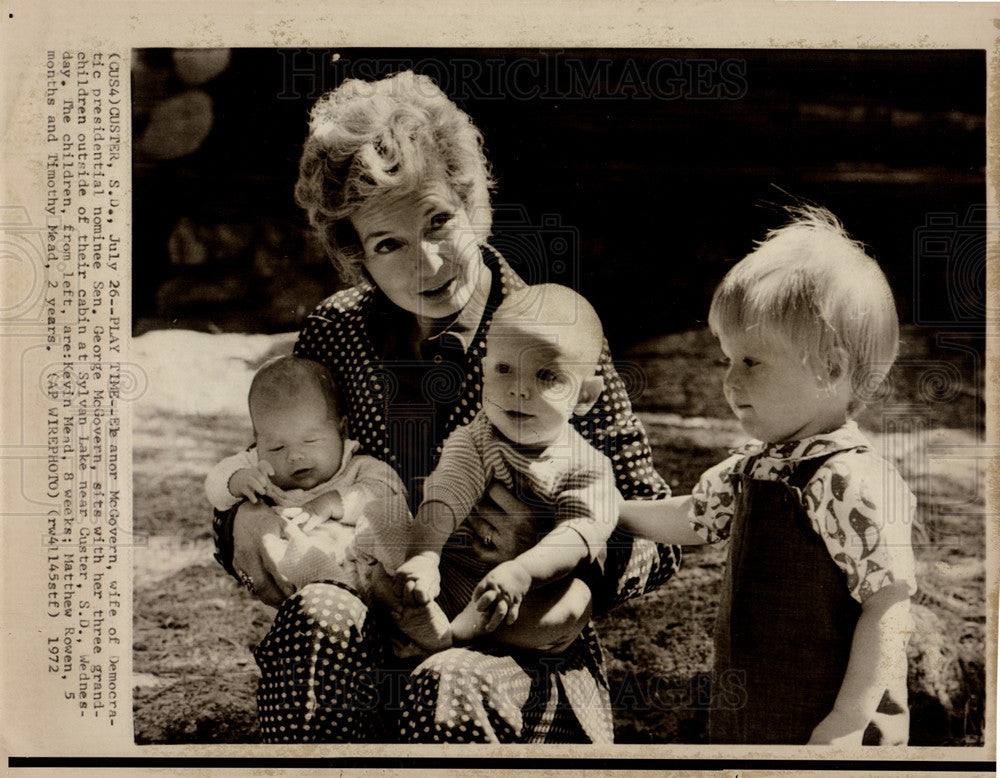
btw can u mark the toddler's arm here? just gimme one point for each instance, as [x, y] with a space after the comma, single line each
[878, 655]
[865, 511]
[666, 521]
[703, 517]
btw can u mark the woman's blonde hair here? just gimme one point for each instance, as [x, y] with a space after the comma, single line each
[812, 285]
[368, 139]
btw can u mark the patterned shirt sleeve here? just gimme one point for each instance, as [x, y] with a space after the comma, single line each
[459, 480]
[714, 500]
[863, 511]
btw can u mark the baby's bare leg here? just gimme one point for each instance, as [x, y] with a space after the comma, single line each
[426, 625]
[550, 618]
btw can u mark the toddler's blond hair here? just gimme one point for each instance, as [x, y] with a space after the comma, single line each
[810, 284]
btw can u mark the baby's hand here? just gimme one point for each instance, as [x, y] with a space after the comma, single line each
[418, 580]
[839, 728]
[506, 585]
[325, 506]
[249, 482]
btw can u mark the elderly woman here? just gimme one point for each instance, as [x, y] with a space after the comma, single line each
[396, 185]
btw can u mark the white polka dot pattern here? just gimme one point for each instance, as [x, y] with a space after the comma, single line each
[317, 682]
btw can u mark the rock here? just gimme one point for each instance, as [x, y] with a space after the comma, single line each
[196, 66]
[933, 659]
[149, 681]
[946, 683]
[184, 246]
[177, 126]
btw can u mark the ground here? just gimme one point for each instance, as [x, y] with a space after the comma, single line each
[194, 628]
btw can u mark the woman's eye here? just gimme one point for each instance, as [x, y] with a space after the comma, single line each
[275, 450]
[548, 377]
[750, 362]
[386, 246]
[438, 220]
[502, 367]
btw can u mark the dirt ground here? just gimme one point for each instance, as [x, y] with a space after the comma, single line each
[194, 629]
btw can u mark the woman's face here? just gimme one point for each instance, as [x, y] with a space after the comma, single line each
[420, 249]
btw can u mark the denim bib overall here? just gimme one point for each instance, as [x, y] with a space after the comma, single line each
[785, 623]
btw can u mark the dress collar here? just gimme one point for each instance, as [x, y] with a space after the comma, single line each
[845, 437]
[464, 325]
[393, 330]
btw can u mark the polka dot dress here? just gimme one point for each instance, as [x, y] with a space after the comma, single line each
[317, 681]
[318, 660]
[466, 696]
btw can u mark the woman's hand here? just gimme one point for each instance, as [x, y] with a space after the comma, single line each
[251, 526]
[505, 526]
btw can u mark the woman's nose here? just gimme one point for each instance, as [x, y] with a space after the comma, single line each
[429, 257]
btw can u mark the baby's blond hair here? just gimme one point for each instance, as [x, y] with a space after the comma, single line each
[558, 311]
[810, 283]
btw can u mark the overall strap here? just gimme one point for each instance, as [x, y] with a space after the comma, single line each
[803, 473]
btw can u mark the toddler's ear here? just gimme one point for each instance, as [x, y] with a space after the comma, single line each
[836, 364]
[590, 390]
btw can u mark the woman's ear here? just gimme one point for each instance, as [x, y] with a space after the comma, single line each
[590, 390]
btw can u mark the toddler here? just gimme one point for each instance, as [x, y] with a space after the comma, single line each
[540, 368]
[345, 512]
[810, 637]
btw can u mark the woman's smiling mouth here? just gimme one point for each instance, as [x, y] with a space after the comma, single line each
[438, 290]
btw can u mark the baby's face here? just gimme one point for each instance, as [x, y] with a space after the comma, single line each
[302, 443]
[530, 387]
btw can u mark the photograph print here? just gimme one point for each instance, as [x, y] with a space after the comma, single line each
[598, 396]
